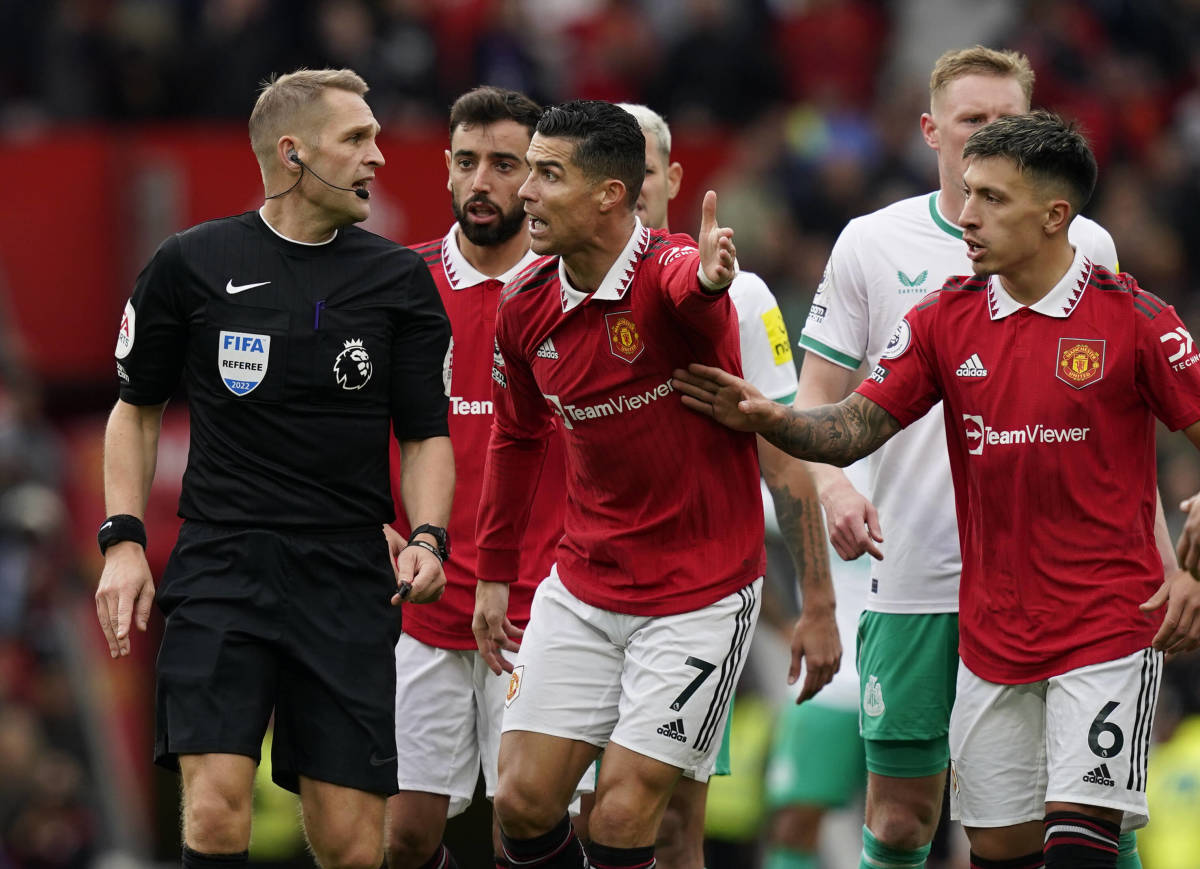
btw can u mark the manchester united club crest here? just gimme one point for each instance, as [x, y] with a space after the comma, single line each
[514, 685]
[1080, 361]
[623, 338]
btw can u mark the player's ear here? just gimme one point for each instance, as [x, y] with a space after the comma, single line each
[929, 131]
[1058, 216]
[610, 192]
[674, 179]
[448, 187]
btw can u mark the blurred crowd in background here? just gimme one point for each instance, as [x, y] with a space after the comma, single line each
[818, 98]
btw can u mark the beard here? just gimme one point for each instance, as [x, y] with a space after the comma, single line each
[506, 227]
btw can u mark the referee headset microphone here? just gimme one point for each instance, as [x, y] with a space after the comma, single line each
[360, 192]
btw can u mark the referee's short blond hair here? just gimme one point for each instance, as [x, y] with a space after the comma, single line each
[290, 104]
[981, 60]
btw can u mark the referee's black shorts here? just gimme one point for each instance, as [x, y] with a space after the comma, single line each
[301, 625]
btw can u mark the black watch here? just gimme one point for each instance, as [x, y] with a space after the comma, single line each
[441, 535]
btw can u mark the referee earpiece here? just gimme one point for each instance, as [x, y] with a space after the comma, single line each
[293, 157]
[360, 192]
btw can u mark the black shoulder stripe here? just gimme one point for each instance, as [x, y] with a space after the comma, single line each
[425, 248]
[656, 244]
[512, 292]
[1146, 309]
[965, 283]
[1104, 279]
[1152, 300]
[534, 277]
[929, 301]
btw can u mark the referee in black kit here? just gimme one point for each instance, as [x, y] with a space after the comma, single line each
[300, 338]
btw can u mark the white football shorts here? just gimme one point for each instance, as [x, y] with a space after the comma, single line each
[1081, 737]
[449, 706]
[657, 685]
[448, 711]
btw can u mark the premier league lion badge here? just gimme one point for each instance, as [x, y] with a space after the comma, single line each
[353, 368]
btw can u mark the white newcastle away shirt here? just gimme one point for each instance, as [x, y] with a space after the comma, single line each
[881, 265]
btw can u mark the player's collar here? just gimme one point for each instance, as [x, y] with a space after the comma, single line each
[460, 274]
[940, 220]
[619, 276]
[1059, 302]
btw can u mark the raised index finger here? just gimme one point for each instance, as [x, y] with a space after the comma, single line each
[708, 212]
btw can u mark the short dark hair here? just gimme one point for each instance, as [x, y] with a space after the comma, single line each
[609, 141]
[1044, 146]
[489, 105]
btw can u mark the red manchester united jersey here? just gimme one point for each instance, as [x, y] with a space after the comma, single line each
[470, 299]
[663, 513]
[1050, 425]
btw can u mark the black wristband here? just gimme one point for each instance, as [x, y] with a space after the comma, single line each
[425, 544]
[439, 534]
[118, 528]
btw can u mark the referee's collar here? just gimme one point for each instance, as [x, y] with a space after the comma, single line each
[1059, 302]
[620, 274]
[267, 223]
[460, 274]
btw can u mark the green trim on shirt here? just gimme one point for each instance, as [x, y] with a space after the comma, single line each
[786, 399]
[809, 343]
[948, 228]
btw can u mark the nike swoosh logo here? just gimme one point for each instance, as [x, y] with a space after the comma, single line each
[105, 525]
[376, 760]
[232, 288]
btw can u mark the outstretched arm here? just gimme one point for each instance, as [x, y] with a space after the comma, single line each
[852, 519]
[837, 434]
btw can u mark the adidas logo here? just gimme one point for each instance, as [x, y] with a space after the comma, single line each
[1100, 776]
[973, 367]
[674, 730]
[546, 350]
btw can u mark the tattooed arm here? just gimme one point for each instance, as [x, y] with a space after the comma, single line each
[815, 635]
[837, 434]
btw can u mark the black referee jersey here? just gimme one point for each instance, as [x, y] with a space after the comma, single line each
[296, 358]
